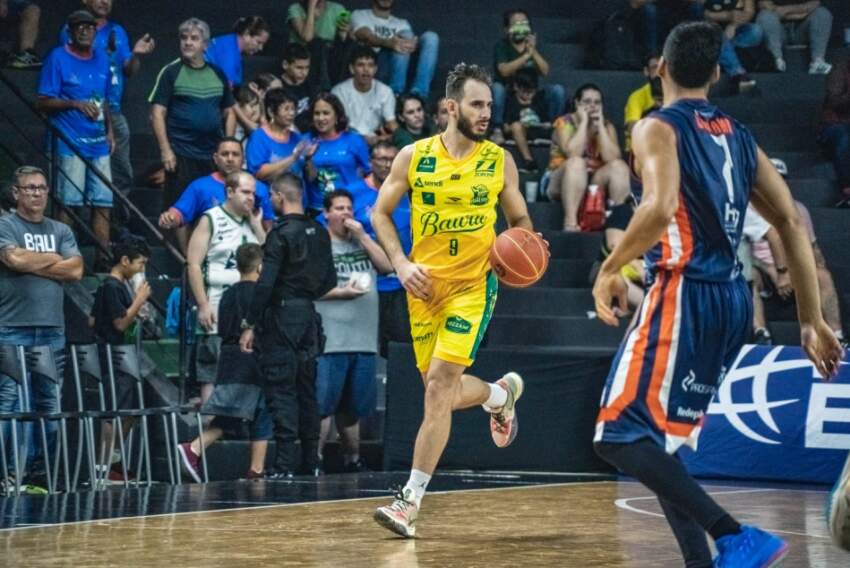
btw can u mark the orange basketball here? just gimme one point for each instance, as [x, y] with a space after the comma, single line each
[519, 257]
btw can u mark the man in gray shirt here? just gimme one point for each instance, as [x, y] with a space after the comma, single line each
[345, 377]
[37, 255]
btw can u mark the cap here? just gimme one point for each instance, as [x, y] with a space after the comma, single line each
[780, 166]
[81, 17]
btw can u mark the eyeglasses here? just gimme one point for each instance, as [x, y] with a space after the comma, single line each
[33, 189]
[382, 160]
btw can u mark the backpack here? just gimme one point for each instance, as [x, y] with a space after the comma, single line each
[591, 212]
[613, 44]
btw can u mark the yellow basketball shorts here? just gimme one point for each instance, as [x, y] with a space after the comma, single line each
[451, 325]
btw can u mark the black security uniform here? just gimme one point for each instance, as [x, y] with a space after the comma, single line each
[298, 268]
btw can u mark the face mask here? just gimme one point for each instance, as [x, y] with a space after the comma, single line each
[519, 31]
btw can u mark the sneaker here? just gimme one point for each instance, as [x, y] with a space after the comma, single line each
[838, 509]
[750, 548]
[503, 423]
[400, 515]
[281, 475]
[116, 474]
[24, 60]
[358, 466]
[762, 337]
[819, 67]
[744, 83]
[780, 65]
[528, 166]
[190, 461]
[252, 475]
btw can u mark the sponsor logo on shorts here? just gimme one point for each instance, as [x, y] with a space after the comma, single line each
[690, 413]
[457, 324]
[423, 338]
[427, 164]
[480, 195]
[427, 183]
[689, 384]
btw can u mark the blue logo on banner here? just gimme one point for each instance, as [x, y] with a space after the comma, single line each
[774, 418]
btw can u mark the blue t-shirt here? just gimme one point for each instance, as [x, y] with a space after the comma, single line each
[266, 148]
[70, 77]
[223, 52]
[341, 162]
[207, 192]
[112, 39]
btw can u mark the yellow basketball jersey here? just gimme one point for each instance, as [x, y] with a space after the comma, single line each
[453, 208]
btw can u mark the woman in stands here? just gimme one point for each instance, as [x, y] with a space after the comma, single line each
[339, 157]
[275, 148]
[413, 124]
[585, 152]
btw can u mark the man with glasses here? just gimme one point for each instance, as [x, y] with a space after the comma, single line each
[37, 255]
[73, 91]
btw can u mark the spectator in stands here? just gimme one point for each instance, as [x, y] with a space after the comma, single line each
[275, 148]
[189, 103]
[345, 375]
[339, 160]
[413, 124]
[28, 15]
[642, 99]
[247, 110]
[734, 16]
[835, 126]
[441, 114]
[525, 115]
[585, 148]
[73, 91]
[249, 36]
[393, 39]
[112, 38]
[211, 264]
[115, 317]
[369, 103]
[633, 273]
[238, 394]
[518, 50]
[260, 85]
[208, 191]
[296, 69]
[393, 321]
[796, 21]
[325, 28]
[37, 255]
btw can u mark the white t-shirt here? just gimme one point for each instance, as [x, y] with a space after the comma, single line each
[368, 111]
[755, 226]
[384, 28]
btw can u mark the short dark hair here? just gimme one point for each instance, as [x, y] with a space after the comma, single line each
[263, 80]
[526, 79]
[382, 145]
[587, 87]
[253, 25]
[295, 51]
[328, 202]
[275, 98]
[232, 180]
[246, 95]
[336, 104]
[362, 52]
[289, 186]
[402, 99]
[692, 51]
[132, 248]
[506, 16]
[460, 74]
[248, 257]
[227, 139]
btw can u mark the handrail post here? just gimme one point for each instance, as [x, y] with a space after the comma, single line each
[182, 333]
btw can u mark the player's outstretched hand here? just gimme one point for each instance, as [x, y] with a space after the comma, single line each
[415, 279]
[822, 347]
[607, 288]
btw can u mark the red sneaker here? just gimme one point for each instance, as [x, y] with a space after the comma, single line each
[503, 423]
[190, 461]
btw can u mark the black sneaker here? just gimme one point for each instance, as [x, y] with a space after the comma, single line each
[358, 466]
[528, 166]
[762, 337]
[24, 60]
[281, 475]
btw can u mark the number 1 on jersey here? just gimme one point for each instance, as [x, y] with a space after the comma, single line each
[453, 247]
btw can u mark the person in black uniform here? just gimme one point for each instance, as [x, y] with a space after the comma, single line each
[297, 269]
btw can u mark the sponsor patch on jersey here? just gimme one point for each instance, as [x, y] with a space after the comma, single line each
[480, 195]
[485, 168]
[428, 197]
[427, 164]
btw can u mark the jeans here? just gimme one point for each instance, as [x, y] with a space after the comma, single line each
[747, 35]
[122, 169]
[835, 141]
[392, 66]
[42, 392]
[556, 100]
[816, 28]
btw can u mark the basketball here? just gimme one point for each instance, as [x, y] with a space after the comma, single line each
[519, 257]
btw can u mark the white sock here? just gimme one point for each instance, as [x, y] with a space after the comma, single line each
[498, 397]
[417, 483]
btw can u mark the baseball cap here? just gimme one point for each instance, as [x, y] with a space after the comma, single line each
[81, 17]
[780, 166]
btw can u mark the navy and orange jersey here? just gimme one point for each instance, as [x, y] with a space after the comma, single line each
[717, 158]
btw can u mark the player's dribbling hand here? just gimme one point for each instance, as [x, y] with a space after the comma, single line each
[822, 348]
[415, 279]
[608, 287]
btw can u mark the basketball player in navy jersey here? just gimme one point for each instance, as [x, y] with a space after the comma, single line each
[695, 170]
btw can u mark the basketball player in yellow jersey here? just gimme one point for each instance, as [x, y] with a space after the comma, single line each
[455, 180]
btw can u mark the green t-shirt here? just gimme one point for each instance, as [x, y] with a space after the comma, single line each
[505, 52]
[403, 137]
[325, 24]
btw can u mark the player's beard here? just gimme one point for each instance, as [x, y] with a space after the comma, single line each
[465, 127]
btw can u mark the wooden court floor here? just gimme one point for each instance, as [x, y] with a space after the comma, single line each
[611, 524]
